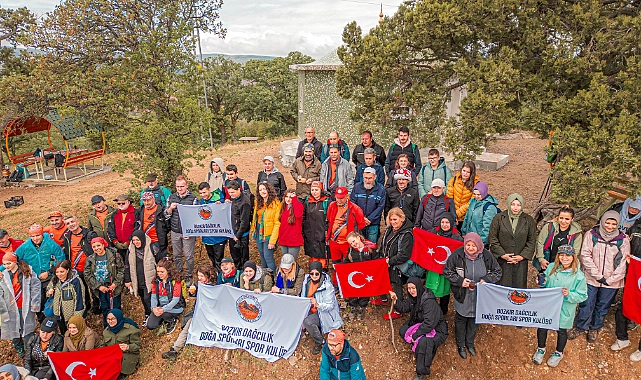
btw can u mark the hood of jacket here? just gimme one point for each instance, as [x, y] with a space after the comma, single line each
[274, 170]
[409, 142]
[220, 162]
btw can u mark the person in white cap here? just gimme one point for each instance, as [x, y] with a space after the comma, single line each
[433, 207]
[370, 196]
[272, 175]
[403, 195]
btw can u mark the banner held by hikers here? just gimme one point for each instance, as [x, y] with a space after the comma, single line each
[211, 219]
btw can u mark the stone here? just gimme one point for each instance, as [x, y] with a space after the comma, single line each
[288, 152]
[483, 161]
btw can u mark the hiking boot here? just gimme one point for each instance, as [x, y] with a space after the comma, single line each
[635, 356]
[419, 377]
[144, 323]
[462, 353]
[574, 333]
[632, 325]
[171, 354]
[393, 315]
[592, 335]
[351, 315]
[378, 302]
[538, 356]
[472, 350]
[171, 325]
[555, 359]
[619, 345]
[317, 348]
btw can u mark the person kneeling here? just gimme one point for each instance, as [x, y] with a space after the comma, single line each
[167, 301]
[126, 334]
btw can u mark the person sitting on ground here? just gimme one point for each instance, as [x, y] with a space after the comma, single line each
[105, 273]
[37, 348]
[160, 192]
[290, 232]
[255, 278]
[56, 227]
[403, 195]
[483, 207]
[426, 329]
[461, 187]
[369, 158]
[564, 274]
[289, 279]
[270, 174]
[228, 274]
[360, 250]
[324, 315]
[11, 372]
[167, 301]
[126, 334]
[8, 244]
[20, 301]
[340, 360]
[206, 276]
[79, 336]
[435, 169]
[436, 282]
[142, 270]
[216, 176]
[68, 294]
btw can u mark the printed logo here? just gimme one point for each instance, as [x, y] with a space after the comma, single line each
[519, 298]
[249, 308]
[204, 212]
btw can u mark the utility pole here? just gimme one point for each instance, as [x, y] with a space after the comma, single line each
[200, 58]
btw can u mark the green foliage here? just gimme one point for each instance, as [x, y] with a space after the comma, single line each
[570, 67]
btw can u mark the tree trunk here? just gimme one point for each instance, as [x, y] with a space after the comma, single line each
[234, 138]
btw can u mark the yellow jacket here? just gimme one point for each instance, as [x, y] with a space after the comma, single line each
[460, 194]
[272, 219]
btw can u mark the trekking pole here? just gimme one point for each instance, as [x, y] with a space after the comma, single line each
[391, 323]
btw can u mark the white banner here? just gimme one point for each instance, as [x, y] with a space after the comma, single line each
[501, 305]
[266, 325]
[210, 219]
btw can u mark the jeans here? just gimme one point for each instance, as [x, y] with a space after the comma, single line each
[239, 250]
[216, 253]
[371, 232]
[465, 328]
[592, 311]
[153, 322]
[266, 255]
[105, 306]
[290, 250]
[312, 325]
[561, 339]
[182, 246]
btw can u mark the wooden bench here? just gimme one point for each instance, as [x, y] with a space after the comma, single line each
[248, 139]
[22, 158]
[81, 160]
[617, 193]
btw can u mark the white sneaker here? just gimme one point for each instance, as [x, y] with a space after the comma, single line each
[619, 345]
[635, 356]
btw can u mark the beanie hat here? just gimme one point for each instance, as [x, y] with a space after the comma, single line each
[403, 174]
[147, 195]
[250, 264]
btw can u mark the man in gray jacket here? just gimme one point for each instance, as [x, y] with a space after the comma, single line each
[181, 245]
[336, 172]
[433, 207]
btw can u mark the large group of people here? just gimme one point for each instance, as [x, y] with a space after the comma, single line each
[342, 209]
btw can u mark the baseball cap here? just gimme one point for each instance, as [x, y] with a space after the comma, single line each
[97, 198]
[227, 260]
[566, 249]
[287, 261]
[268, 158]
[341, 192]
[151, 177]
[48, 325]
[437, 182]
[55, 214]
[370, 171]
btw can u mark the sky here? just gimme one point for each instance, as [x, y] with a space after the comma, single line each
[275, 27]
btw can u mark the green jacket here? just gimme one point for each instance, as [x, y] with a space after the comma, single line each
[94, 224]
[129, 335]
[116, 272]
[575, 282]
[575, 237]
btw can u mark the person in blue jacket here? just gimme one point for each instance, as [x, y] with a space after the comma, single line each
[370, 162]
[335, 140]
[215, 245]
[483, 208]
[340, 360]
[370, 196]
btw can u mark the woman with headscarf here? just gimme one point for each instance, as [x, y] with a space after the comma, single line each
[255, 278]
[79, 336]
[104, 275]
[324, 315]
[603, 261]
[426, 329]
[315, 224]
[216, 176]
[11, 372]
[142, 270]
[630, 211]
[436, 282]
[125, 333]
[512, 241]
[483, 207]
[467, 267]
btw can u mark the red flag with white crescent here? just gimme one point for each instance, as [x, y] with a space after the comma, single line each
[632, 291]
[363, 279]
[431, 251]
[97, 364]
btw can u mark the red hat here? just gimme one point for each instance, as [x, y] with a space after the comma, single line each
[99, 239]
[318, 184]
[336, 336]
[55, 214]
[147, 195]
[341, 192]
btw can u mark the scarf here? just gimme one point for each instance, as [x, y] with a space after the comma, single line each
[514, 218]
[608, 236]
[231, 274]
[476, 239]
[626, 220]
[420, 289]
[121, 320]
[79, 322]
[448, 233]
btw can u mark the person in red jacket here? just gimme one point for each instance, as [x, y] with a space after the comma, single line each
[121, 226]
[343, 217]
[290, 235]
[7, 244]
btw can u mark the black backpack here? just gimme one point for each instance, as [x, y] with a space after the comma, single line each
[16, 176]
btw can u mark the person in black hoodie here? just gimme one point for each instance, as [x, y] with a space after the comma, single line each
[241, 221]
[467, 267]
[367, 141]
[426, 329]
[446, 228]
[396, 247]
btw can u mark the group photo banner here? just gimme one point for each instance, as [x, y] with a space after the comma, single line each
[500, 305]
[266, 325]
[211, 219]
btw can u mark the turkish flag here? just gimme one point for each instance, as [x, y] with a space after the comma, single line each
[363, 279]
[430, 251]
[98, 364]
[632, 291]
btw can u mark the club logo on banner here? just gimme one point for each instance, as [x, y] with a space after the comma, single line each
[266, 325]
[501, 305]
[211, 219]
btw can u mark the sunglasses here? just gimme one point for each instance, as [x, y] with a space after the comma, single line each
[121, 203]
[314, 273]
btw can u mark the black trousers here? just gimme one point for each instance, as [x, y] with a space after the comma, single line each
[239, 251]
[153, 322]
[145, 298]
[621, 324]
[465, 330]
[358, 302]
[124, 254]
[561, 340]
[216, 253]
[444, 303]
[425, 349]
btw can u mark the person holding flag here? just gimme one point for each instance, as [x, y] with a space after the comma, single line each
[79, 336]
[436, 281]
[360, 250]
[38, 347]
[126, 334]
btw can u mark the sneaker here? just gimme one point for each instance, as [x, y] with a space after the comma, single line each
[555, 359]
[619, 345]
[393, 315]
[171, 325]
[144, 323]
[317, 348]
[171, 354]
[632, 325]
[574, 333]
[592, 335]
[378, 302]
[419, 377]
[538, 356]
[635, 356]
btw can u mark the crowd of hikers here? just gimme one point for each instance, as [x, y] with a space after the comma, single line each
[52, 281]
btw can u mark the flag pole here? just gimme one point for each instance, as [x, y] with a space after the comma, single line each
[391, 323]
